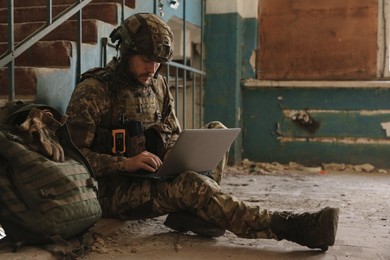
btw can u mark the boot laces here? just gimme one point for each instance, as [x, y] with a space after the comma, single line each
[304, 221]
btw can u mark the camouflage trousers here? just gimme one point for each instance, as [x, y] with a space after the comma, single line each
[132, 198]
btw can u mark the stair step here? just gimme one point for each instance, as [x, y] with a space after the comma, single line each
[27, 3]
[106, 12]
[25, 81]
[30, 3]
[66, 31]
[45, 67]
[128, 3]
[44, 54]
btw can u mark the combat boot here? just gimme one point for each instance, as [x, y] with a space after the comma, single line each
[186, 221]
[314, 230]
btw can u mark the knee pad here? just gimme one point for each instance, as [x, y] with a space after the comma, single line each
[214, 125]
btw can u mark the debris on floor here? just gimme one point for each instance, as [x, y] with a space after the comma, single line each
[274, 167]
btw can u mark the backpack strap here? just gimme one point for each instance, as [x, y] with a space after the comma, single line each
[68, 145]
[72, 248]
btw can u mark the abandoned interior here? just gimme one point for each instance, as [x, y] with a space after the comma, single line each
[307, 81]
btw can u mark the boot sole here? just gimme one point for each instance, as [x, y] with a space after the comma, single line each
[329, 222]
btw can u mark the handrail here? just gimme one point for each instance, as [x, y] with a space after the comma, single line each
[104, 52]
[14, 51]
[11, 48]
[42, 32]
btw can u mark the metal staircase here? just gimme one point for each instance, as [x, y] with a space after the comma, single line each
[45, 44]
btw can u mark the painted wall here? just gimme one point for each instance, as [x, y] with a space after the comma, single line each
[347, 125]
[230, 43]
[317, 40]
[309, 122]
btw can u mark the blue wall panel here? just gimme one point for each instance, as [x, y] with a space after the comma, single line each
[223, 65]
[352, 113]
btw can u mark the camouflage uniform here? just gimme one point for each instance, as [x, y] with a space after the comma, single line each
[96, 105]
[108, 100]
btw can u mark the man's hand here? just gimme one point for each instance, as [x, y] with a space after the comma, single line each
[143, 161]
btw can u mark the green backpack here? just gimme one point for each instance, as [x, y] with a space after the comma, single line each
[43, 202]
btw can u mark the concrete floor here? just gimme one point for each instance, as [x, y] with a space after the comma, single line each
[363, 232]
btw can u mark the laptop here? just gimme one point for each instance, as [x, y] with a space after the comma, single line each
[198, 150]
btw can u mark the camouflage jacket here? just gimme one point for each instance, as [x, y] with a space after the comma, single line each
[102, 98]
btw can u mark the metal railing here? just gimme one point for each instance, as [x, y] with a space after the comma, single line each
[180, 83]
[15, 49]
[196, 93]
[196, 75]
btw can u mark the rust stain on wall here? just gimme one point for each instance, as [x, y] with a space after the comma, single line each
[323, 39]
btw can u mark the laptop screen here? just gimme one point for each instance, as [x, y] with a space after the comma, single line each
[198, 150]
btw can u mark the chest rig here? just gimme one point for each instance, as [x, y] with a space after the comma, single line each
[133, 109]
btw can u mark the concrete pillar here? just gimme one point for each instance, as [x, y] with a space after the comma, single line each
[230, 44]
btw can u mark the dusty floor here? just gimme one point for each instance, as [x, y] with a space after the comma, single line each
[363, 233]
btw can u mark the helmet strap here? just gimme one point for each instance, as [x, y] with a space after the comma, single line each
[158, 70]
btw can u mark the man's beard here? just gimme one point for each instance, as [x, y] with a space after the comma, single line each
[137, 78]
[129, 75]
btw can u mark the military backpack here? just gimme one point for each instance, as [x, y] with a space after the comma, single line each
[43, 201]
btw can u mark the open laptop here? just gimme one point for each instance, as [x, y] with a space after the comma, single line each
[198, 150]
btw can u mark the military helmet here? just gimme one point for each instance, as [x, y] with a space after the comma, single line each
[145, 34]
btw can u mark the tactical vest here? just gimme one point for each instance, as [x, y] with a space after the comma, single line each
[133, 110]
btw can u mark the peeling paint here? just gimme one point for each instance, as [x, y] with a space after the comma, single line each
[350, 125]
[386, 127]
[305, 120]
[291, 112]
[252, 60]
[251, 83]
[342, 140]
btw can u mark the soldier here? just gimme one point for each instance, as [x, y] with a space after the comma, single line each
[122, 118]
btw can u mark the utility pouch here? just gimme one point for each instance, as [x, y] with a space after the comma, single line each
[129, 139]
[118, 141]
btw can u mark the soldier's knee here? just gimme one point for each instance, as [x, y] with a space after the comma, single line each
[196, 189]
[215, 125]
